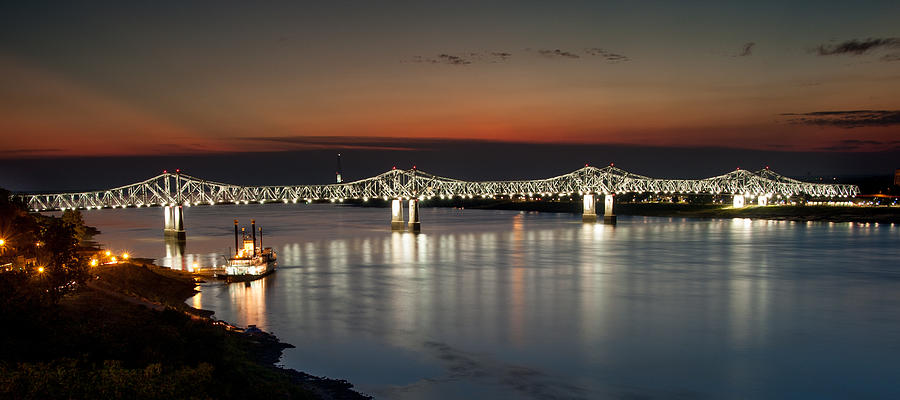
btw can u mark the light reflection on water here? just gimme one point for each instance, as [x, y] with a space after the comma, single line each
[509, 304]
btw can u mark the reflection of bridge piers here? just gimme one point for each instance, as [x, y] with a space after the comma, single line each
[175, 247]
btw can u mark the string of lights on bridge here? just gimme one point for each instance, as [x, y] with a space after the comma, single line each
[169, 189]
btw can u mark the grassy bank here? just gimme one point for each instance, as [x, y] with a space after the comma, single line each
[127, 333]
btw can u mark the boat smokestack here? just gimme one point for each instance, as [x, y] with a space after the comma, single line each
[236, 245]
[260, 238]
[253, 228]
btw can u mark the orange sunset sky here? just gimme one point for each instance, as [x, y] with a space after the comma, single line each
[116, 79]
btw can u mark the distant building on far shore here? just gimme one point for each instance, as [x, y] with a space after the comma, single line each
[897, 177]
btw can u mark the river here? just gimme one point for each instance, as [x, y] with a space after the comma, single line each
[508, 304]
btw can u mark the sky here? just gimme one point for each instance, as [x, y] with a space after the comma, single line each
[82, 80]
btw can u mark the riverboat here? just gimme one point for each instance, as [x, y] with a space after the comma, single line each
[249, 261]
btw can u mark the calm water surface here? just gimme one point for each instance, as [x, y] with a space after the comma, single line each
[504, 304]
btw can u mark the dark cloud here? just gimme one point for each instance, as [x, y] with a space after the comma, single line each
[606, 54]
[501, 55]
[24, 153]
[847, 119]
[859, 47]
[557, 53]
[465, 58]
[746, 49]
[292, 143]
[448, 59]
[862, 144]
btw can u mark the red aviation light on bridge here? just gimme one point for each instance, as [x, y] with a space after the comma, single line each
[165, 171]
[177, 170]
[414, 167]
[393, 168]
[612, 164]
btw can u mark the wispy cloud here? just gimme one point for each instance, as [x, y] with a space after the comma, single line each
[847, 119]
[464, 58]
[469, 58]
[606, 54]
[557, 53]
[29, 152]
[442, 59]
[862, 144]
[747, 49]
[856, 47]
[501, 55]
[285, 143]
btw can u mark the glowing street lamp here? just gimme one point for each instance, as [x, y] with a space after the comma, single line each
[125, 256]
[2, 242]
[40, 270]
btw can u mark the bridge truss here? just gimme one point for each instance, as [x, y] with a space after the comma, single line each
[183, 189]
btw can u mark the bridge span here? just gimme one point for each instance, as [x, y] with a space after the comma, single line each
[173, 191]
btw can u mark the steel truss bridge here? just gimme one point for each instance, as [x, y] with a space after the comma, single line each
[169, 189]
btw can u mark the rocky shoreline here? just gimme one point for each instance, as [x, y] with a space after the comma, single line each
[159, 288]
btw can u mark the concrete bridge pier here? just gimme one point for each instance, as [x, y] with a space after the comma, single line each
[608, 216]
[397, 215]
[762, 200]
[738, 201]
[414, 225]
[174, 218]
[590, 209]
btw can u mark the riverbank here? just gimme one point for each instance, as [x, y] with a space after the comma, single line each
[862, 214]
[127, 333]
[778, 213]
